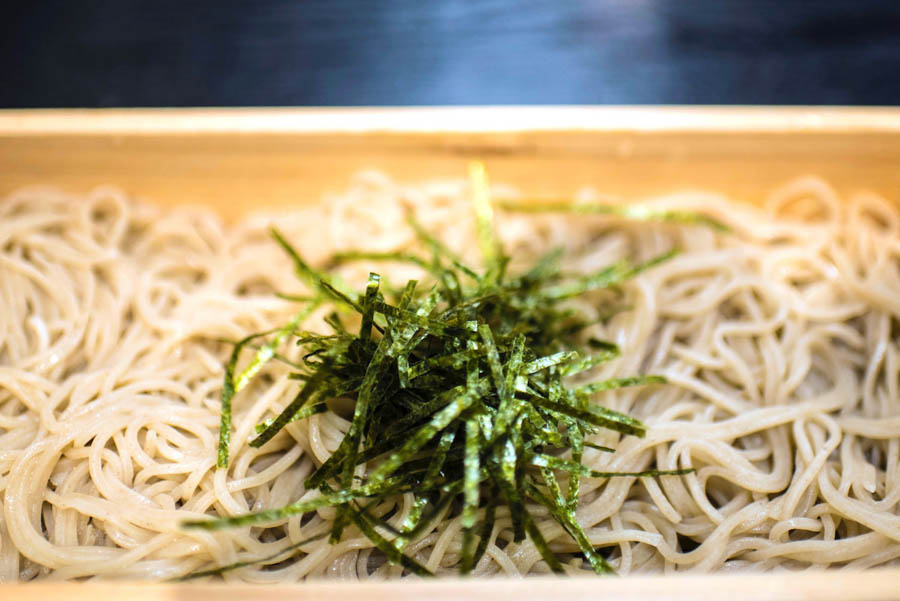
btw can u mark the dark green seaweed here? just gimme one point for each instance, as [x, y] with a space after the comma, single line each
[460, 392]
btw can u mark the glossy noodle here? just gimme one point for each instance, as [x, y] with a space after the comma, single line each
[779, 341]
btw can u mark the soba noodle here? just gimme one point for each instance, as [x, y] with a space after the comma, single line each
[779, 340]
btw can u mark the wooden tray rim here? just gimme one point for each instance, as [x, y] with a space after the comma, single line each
[450, 120]
[777, 120]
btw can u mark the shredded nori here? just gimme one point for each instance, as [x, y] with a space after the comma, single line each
[460, 392]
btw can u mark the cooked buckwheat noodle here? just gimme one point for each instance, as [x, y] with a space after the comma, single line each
[779, 340]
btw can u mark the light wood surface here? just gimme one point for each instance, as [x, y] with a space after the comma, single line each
[244, 159]
[239, 160]
[450, 120]
[806, 586]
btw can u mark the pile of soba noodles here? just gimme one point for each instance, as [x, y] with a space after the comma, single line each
[779, 340]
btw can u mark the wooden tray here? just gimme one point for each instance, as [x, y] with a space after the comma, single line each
[238, 159]
[241, 159]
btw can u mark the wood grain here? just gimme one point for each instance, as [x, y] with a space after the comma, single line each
[451, 120]
[802, 586]
[243, 160]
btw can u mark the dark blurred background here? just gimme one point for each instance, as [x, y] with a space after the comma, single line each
[398, 52]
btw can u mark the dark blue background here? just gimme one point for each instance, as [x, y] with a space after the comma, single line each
[365, 52]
